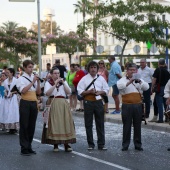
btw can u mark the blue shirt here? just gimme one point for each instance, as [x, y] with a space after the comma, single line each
[114, 69]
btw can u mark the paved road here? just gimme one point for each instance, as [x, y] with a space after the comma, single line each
[154, 157]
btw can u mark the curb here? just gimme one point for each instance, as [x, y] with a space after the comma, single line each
[151, 126]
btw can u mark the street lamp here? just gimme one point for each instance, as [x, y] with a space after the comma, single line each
[39, 29]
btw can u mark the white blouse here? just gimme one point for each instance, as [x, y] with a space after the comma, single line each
[60, 92]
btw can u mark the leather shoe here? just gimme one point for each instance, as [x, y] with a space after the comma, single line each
[102, 148]
[31, 151]
[25, 153]
[168, 149]
[124, 148]
[159, 121]
[139, 148]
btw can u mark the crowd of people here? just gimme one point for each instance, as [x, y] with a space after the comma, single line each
[23, 94]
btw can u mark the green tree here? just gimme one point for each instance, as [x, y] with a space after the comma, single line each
[68, 43]
[130, 21]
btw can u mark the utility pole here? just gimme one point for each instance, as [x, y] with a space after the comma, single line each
[149, 17]
[95, 2]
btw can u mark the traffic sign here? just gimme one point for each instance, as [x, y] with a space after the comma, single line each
[118, 49]
[154, 49]
[99, 49]
[136, 49]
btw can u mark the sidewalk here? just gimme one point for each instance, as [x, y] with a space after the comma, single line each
[116, 118]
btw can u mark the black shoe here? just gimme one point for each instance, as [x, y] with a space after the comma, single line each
[139, 148]
[159, 121]
[124, 148]
[102, 148]
[25, 153]
[90, 148]
[31, 151]
[68, 148]
[168, 149]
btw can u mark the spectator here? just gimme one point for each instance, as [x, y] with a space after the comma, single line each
[45, 75]
[69, 78]
[104, 73]
[146, 74]
[115, 74]
[20, 71]
[60, 67]
[4, 69]
[79, 74]
[161, 77]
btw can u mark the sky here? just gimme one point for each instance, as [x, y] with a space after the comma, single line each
[24, 13]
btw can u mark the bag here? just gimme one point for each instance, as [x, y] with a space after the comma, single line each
[73, 90]
[81, 97]
[157, 88]
[15, 89]
[144, 113]
[45, 115]
[167, 114]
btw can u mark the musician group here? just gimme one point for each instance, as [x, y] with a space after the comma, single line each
[20, 106]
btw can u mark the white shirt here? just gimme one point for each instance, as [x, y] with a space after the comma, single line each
[146, 74]
[167, 90]
[100, 84]
[60, 91]
[123, 89]
[22, 82]
[44, 74]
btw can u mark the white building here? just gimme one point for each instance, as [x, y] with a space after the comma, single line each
[109, 42]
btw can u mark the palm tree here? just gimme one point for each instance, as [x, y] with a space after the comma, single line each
[82, 7]
[9, 26]
[87, 7]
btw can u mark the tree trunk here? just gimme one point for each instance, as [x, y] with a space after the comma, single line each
[123, 49]
[69, 55]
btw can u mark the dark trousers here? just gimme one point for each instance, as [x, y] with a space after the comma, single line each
[161, 103]
[131, 112]
[147, 98]
[155, 107]
[95, 108]
[28, 115]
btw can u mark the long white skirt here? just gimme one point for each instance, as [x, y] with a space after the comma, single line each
[9, 113]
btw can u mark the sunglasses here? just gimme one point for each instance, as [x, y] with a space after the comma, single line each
[101, 63]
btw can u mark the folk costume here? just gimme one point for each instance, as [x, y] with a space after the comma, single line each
[131, 110]
[28, 111]
[9, 110]
[93, 105]
[60, 128]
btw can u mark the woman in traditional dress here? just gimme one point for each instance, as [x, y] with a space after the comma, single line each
[9, 117]
[2, 79]
[69, 78]
[104, 73]
[60, 128]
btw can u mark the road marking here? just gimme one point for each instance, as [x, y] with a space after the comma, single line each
[90, 157]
